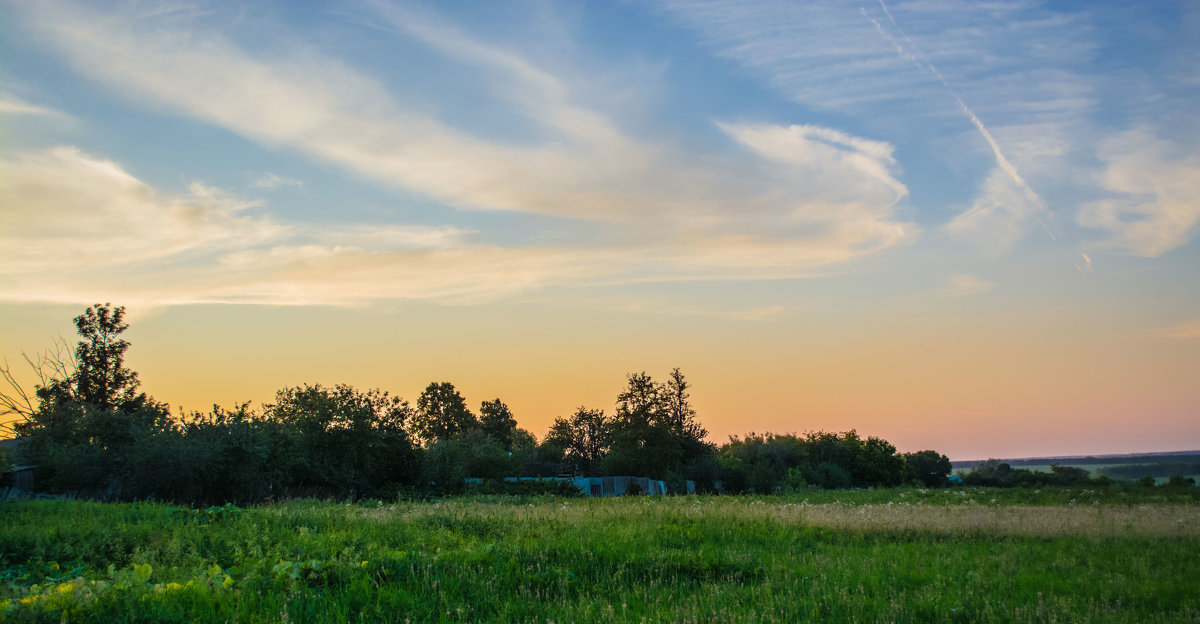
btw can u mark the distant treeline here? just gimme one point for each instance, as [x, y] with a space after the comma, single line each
[995, 473]
[87, 429]
[1157, 469]
[1104, 460]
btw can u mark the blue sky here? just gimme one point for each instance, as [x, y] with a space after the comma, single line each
[857, 168]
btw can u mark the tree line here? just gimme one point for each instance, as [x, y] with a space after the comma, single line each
[89, 429]
[996, 473]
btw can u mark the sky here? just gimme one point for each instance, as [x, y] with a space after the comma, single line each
[961, 226]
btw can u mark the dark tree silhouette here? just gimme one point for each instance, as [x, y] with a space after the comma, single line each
[101, 378]
[441, 414]
[584, 437]
[497, 422]
[929, 467]
[679, 413]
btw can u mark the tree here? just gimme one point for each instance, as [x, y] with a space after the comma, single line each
[874, 462]
[584, 437]
[52, 368]
[94, 374]
[441, 414]
[642, 442]
[991, 472]
[640, 405]
[654, 432]
[678, 411]
[487, 459]
[698, 458]
[345, 441]
[1069, 475]
[101, 377]
[89, 429]
[931, 468]
[497, 422]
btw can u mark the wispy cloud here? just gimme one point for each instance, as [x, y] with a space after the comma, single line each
[1154, 184]
[999, 215]
[273, 181]
[909, 51]
[664, 308]
[964, 285]
[800, 197]
[839, 55]
[893, 64]
[89, 230]
[76, 210]
[11, 105]
[1189, 330]
[1084, 265]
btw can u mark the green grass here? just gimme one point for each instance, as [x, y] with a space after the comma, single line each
[970, 555]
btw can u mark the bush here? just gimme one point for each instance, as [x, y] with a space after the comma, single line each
[832, 476]
[1178, 480]
[794, 482]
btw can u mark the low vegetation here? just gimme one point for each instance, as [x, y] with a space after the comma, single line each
[899, 555]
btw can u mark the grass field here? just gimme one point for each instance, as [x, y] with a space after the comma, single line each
[959, 555]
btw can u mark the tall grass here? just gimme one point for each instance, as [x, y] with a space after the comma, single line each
[927, 556]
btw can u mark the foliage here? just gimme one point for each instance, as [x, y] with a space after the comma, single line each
[767, 463]
[102, 378]
[584, 438]
[90, 429]
[343, 441]
[496, 422]
[679, 415]
[444, 467]
[212, 514]
[1178, 480]
[441, 414]
[545, 459]
[525, 488]
[930, 468]
[653, 431]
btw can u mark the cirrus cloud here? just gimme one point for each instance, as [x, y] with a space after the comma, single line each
[1154, 185]
[637, 208]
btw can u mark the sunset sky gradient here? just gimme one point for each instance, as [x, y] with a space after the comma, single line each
[961, 226]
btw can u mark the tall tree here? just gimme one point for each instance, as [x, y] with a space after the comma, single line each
[679, 414]
[640, 405]
[642, 443]
[89, 429]
[441, 414]
[102, 379]
[497, 422]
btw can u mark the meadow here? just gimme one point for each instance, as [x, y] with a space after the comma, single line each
[890, 555]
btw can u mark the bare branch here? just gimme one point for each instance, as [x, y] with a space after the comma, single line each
[55, 364]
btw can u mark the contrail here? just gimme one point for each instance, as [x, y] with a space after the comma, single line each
[923, 64]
